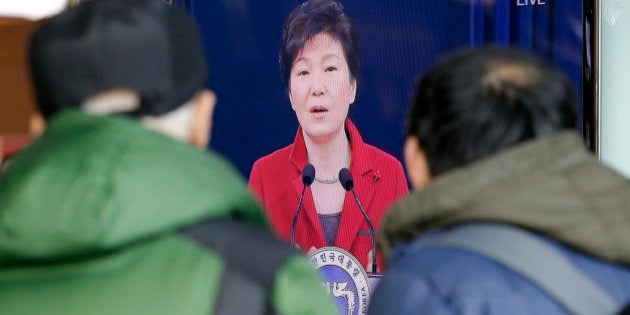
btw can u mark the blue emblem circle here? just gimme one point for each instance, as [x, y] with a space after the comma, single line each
[344, 279]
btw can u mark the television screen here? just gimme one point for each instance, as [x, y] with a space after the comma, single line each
[399, 40]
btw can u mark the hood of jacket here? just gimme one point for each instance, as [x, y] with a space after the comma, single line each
[96, 183]
[552, 186]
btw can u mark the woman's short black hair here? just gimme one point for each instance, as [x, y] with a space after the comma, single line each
[309, 19]
[475, 103]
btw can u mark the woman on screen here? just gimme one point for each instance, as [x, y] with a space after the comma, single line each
[319, 65]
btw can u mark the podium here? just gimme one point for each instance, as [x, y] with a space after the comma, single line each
[344, 279]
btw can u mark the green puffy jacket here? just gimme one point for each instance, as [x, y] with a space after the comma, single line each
[89, 215]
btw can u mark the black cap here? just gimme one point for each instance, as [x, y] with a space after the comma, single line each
[144, 45]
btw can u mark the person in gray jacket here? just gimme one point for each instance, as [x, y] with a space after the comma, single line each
[491, 142]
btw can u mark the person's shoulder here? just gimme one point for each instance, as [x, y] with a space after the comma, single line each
[265, 262]
[466, 279]
[298, 289]
[406, 292]
[381, 157]
[274, 158]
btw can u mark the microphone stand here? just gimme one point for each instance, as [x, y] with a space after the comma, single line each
[345, 178]
[308, 175]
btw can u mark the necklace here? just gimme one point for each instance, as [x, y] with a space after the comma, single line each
[335, 179]
[327, 181]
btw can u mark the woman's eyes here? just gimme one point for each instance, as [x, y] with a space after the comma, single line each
[305, 72]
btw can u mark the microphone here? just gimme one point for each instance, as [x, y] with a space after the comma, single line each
[308, 176]
[345, 178]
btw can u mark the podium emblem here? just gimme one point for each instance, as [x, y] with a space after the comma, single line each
[344, 279]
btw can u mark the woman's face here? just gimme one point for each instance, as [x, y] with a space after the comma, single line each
[321, 88]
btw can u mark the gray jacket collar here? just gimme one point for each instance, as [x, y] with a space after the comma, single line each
[552, 186]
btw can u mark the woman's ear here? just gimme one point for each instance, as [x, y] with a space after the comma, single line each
[290, 99]
[416, 163]
[201, 130]
[290, 96]
[353, 91]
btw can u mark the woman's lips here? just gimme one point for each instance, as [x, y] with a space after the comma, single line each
[318, 111]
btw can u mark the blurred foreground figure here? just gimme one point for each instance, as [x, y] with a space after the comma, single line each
[111, 210]
[511, 214]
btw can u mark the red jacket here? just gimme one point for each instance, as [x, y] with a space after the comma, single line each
[379, 181]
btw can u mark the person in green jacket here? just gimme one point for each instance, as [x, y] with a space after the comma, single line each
[111, 210]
